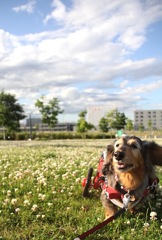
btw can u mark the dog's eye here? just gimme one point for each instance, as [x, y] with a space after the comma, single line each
[117, 145]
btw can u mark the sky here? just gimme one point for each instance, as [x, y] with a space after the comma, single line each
[82, 52]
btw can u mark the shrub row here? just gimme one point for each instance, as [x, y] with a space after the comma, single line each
[55, 135]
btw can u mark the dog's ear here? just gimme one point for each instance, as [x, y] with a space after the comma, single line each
[153, 152]
[108, 168]
[110, 151]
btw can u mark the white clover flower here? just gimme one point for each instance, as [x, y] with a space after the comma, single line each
[26, 203]
[49, 204]
[153, 215]
[17, 210]
[6, 201]
[8, 193]
[158, 204]
[14, 201]
[146, 225]
[34, 207]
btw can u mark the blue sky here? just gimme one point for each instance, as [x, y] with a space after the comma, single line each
[84, 52]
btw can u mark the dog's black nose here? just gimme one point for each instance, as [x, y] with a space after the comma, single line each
[119, 155]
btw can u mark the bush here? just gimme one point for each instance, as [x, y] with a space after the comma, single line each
[56, 135]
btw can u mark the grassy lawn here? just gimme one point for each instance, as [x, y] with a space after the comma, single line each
[41, 194]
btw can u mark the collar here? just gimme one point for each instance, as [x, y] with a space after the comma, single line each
[120, 192]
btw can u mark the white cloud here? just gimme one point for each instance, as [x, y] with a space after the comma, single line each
[87, 60]
[58, 13]
[29, 7]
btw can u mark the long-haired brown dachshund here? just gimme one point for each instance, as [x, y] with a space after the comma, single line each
[130, 173]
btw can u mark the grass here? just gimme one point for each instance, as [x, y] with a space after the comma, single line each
[41, 194]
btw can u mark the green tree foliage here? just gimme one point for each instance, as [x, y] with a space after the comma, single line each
[49, 111]
[103, 125]
[141, 127]
[82, 125]
[116, 120]
[150, 124]
[129, 124]
[11, 112]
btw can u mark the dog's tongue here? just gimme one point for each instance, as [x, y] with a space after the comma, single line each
[121, 165]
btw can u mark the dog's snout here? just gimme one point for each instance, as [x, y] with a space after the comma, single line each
[119, 155]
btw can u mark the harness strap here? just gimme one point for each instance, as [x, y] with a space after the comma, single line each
[118, 197]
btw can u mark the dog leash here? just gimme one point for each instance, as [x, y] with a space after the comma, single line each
[126, 200]
[100, 225]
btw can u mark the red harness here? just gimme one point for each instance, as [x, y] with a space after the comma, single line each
[115, 194]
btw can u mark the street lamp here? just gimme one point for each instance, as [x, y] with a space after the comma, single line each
[30, 125]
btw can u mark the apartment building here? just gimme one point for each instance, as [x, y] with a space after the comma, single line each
[148, 119]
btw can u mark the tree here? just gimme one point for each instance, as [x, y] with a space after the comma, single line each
[150, 124]
[116, 119]
[49, 111]
[11, 112]
[103, 124]
[129, 124]
[82, 125]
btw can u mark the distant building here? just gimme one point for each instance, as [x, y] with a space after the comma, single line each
[147, 118]
[33, 121]
[95, 113]
[36, 124]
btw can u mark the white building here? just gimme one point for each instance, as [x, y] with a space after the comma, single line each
[145, 117]
[95, 113]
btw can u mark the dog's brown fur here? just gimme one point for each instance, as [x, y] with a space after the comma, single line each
[130, 163]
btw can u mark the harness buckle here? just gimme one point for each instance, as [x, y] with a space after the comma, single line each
[154, 184]
[126, 200]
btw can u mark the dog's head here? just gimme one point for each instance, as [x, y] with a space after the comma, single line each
[127, 154]
[131, 153]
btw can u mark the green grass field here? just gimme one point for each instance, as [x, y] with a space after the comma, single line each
[41, 194]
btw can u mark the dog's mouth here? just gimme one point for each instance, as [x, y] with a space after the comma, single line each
[123, 167]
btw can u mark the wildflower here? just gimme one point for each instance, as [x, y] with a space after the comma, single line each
[128, 222]
[42, 196]
[26, 203]
[8, 193]
[158, 204]
[34, 207]
[146, 225]
[14, 201]
[17, 210]
[6, 201]
[161, 227]
[153, 215]
[50, 204]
